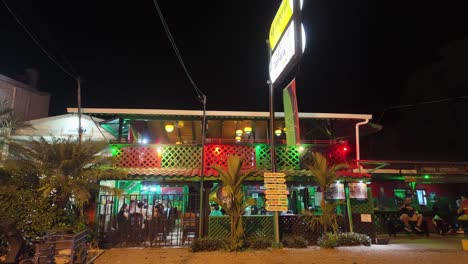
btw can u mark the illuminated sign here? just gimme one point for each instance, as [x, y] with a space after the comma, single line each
[282, 17]
[287, 40]
[283, 53]
[281, 20]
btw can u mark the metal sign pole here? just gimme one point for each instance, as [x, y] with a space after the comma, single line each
[276, 243]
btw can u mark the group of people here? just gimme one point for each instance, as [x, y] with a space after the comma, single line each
[138, 215]
[412, 219]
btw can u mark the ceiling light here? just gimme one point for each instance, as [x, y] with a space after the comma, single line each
[169, 128]
[278, 132]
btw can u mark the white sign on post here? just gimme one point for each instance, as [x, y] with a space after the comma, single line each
[283, 53]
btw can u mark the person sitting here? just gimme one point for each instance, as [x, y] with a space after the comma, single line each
[409, 214]
[462, 210]
[216, 211]
[462, 213]
[441, 226]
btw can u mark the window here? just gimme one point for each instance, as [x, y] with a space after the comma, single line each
[422, 198]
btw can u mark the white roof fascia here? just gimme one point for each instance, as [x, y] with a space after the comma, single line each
[169, 112]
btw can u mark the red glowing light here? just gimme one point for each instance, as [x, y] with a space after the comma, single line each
[345, 148]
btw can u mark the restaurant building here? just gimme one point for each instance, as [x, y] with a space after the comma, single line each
[163, 154]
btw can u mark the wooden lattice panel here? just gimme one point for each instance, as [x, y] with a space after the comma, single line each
[219, 226]
[181, 157]
[258, 226]
[287, 158]
[254, 226]
[137, 157]
[218, 154]
[336, 154]
[262, 153]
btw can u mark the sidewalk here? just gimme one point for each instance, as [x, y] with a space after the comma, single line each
[400, 250]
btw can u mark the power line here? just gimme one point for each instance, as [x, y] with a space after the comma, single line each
[31, 35]
[421, 103]
[200, 94]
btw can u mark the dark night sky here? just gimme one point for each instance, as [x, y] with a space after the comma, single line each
[359, 58]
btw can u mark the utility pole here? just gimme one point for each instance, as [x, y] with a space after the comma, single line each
[80, 131]
[202, 172]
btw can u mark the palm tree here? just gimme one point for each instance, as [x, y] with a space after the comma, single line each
[67, 172]
[233, 198]
[324, 175]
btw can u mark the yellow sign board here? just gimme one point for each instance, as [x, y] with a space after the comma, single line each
[275, 186]
[273, 174]
[276, 208]
[276, 196]
[276, 202]
[281, 20]
[276, 191]
[274, 180]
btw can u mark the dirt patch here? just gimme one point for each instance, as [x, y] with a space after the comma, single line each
[311, 255]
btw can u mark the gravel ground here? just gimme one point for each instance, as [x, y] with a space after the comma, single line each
[382, 254]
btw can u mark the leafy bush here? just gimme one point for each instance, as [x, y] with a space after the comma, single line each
[295, 242]
[209, 244]
[259, 242]
[353, 239]
[331, 240]
[328, 240]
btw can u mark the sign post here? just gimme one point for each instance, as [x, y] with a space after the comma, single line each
[285, 44]
[276, 192]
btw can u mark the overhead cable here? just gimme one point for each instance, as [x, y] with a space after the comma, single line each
[200, 94]
[69, 73]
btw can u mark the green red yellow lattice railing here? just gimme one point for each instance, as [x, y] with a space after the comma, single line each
[256, 157]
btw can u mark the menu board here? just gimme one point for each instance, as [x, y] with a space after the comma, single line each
[357, 190]
[336, 192]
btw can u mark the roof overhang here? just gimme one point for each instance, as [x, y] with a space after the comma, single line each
[216, 114]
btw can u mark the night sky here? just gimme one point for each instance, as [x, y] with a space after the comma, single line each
[361, 57]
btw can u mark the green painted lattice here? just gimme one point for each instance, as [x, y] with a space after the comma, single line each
[258, 225]
[359, 207]
[181, 157]
[287, 158]
[262, 155]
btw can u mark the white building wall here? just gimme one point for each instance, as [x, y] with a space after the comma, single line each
[27, 103]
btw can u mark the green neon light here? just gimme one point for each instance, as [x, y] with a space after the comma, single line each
[426, 176]
[114, 151]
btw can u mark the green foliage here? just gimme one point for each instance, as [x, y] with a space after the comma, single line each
[32, 212]
[233, 202]
[324, 175]
[62, 169]
[209, 244]
[331, 240]
[294, 241]
[328, 240]
[259, 242]
[353, 239]
[46, 184]
[327, 221]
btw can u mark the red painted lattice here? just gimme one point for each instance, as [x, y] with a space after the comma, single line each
[218, 154]
[338, 153]
[138, 157]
